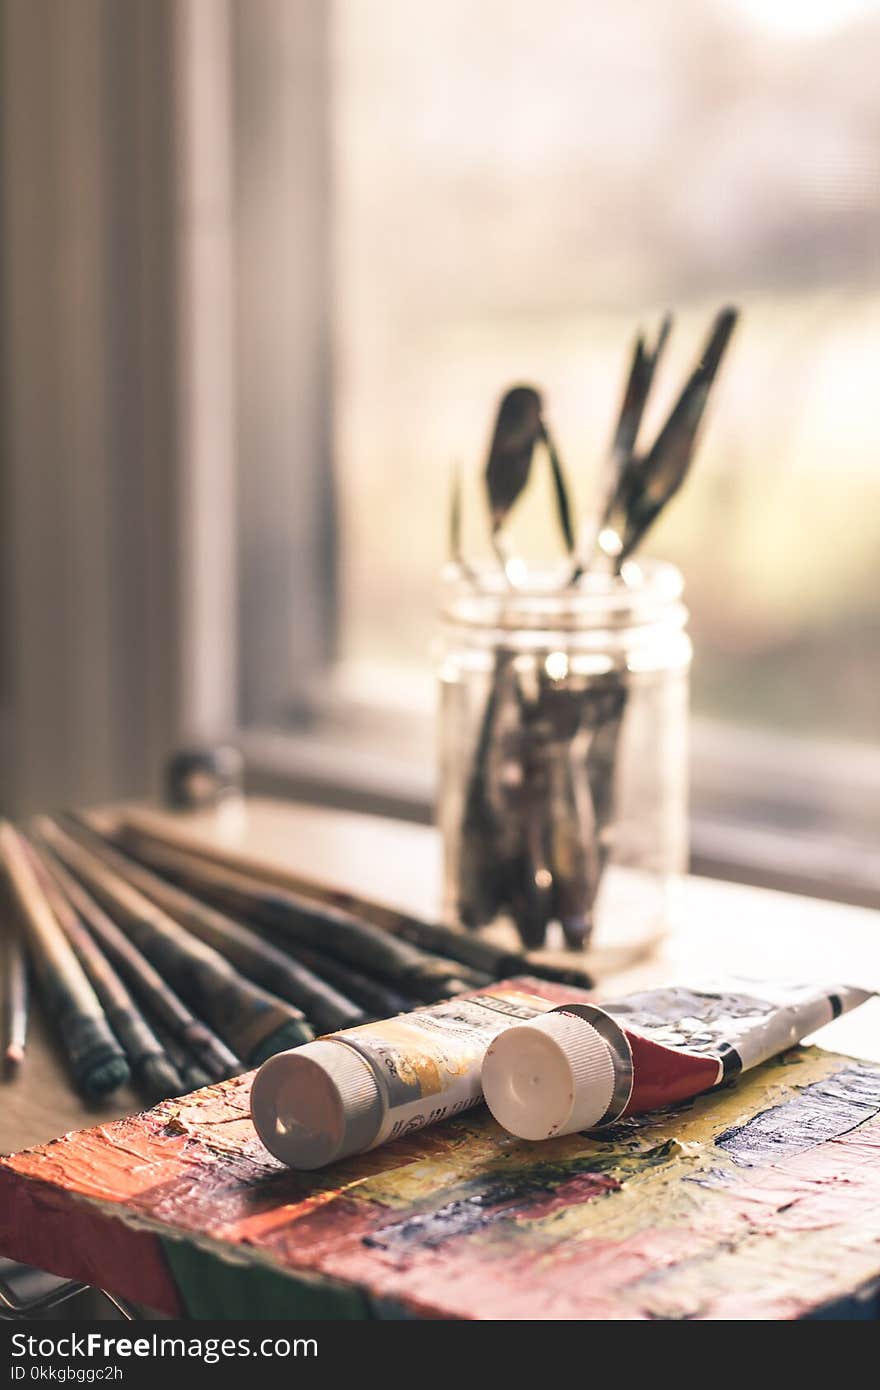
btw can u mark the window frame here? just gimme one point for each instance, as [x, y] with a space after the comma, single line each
[796, 814]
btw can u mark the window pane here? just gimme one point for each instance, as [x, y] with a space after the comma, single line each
[517, 189]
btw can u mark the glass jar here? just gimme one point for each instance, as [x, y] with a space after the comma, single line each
[563, 754]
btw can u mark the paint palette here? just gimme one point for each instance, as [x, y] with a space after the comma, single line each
[761, 1200]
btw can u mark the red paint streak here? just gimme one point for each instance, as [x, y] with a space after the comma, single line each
[42, 1226]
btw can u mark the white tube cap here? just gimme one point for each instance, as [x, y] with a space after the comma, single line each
[316, 1104]
[549, 1077]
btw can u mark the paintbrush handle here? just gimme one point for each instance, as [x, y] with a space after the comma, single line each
[174, 851]
[151, 1067]
[16, 998]
[378, 1000]
[96, 1058]
[252, 1021]
[327, 1008]
[353, 941]
[192, 1073]
[212, 1054]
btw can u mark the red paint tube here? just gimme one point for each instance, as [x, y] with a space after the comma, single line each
[583, 1067]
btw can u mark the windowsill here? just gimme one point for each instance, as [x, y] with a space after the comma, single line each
[766, 809]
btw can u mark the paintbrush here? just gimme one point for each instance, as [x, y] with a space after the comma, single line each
[96, 1059]
[326, 1008]
[584, 816]
[356, 943]
[482, 877]
[560, 489]
[253, 1022]
[518, 427]
[374, 998]
[648, 482]
[151, 1068]
[457, 562]
[636, 491]
[16, 999]
[498, 869]
[632, 408]
[170, 848]
[193, 1075]
[211, 1054]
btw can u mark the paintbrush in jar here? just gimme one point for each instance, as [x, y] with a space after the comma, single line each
[649, 481]
[560, 489]
[641, 489]
[567, 793]
[211, 1054]
[170, 848]
[518, 428]
[619, 459]
[96, 1059]
[492, 875]
[152, 1071]
[253, 1022]
[562, 796]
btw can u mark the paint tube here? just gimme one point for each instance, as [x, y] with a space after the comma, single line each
[582, 1067]
[358, 1088]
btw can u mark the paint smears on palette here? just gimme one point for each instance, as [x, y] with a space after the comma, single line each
[823, 1111]
[761, 1200]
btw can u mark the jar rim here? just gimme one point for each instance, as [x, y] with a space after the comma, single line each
[481, 597]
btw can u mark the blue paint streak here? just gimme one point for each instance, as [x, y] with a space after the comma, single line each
[820, 1112]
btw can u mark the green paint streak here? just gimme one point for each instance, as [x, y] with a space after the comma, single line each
[212, 1287]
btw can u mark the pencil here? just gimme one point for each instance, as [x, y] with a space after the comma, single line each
[156, 843]
[252, 1021]
[16, 1019]
[152, 1070]
[96, 1059]
[210, 1052]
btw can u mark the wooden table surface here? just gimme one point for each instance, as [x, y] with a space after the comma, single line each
[720, 927]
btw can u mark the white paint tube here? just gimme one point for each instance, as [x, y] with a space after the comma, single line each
[361, 1087]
